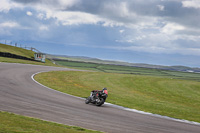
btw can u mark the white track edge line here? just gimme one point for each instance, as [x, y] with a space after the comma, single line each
[51, 88]
[121, 107]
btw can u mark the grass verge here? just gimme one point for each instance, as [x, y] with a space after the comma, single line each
[12, 123]
[165, 96]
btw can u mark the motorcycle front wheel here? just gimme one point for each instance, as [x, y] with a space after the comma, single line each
[87, 100]
[100, 102]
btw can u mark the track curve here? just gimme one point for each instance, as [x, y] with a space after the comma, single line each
[21, 95]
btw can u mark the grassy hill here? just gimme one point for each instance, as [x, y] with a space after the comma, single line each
[20, 52]
[108, 68]
[120, 63]
[16, 51]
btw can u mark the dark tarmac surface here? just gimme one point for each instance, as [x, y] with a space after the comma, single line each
[21, 95]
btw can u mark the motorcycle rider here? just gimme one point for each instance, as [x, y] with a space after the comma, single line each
[97, 97]
[95, 93]
[105, 91]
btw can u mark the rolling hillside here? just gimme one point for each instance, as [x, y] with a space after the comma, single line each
[141, 65]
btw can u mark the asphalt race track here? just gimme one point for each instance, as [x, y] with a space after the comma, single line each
[21, 95]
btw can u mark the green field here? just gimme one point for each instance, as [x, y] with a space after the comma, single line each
[129, 70]
[11, 123]
[165, 96]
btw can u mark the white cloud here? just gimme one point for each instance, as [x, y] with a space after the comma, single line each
[171, 28]
[59, 12]
[161, 7]
[149, 30]
[191, 4]
[74, 18]
[110, 23]
[123, 8]
[63, 4]
[41, 16]
[161, 42]
[66, 17]
[6, 27]
[111, 14]
[29, 13]
[6, 5]
[121, 31]
[43, 28]
[163, 47]
[53, 5]
[9, 25]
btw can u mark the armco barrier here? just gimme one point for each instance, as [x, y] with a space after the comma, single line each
[9, 55]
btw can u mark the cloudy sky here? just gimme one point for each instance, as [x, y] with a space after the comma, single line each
[163, 32]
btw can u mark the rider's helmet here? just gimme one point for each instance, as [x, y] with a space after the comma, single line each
[104, 88]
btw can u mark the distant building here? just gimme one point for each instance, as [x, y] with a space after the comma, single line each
[189, 71]
[40, 57]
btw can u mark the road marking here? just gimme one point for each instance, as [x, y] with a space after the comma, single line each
[155, 115]
[51, 88]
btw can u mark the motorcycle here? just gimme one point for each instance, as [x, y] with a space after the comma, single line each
[97, 97]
